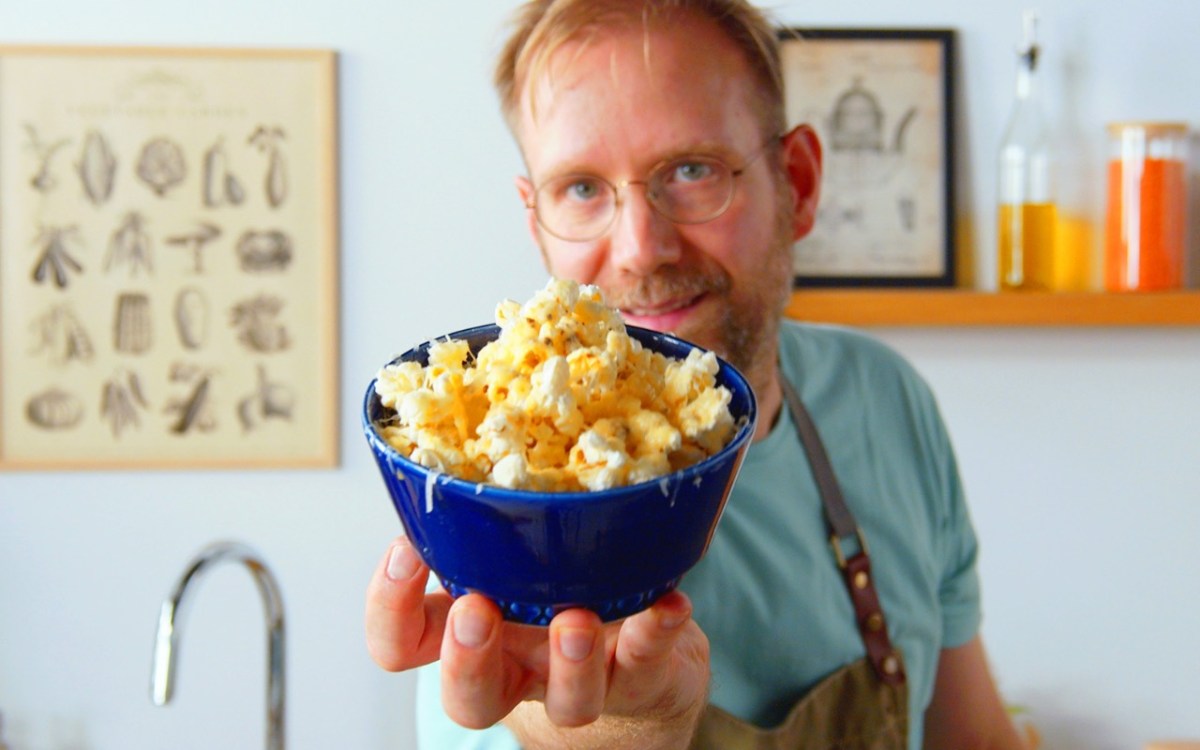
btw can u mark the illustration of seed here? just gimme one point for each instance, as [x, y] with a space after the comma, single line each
[270, 400]
[266, 140]
[276, 186]
[120, 401]
[256, 319]
[61, 336]
[55, 259]
[161, 165]
[191, 317]
[43, 180]
[97, 167]
[194, 411]
[215, 173]
[54, 409]
[268, 250]
[234, 190]
[130, 245]
[131, 327]
[195, 241]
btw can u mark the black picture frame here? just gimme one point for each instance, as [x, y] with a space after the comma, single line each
[882, 103]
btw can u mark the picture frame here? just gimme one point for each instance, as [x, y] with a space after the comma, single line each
[168, 257]
[882, 104]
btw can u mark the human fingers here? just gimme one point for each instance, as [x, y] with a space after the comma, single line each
[403, 625]
[478, 687]
[578, 679]
[661, 659]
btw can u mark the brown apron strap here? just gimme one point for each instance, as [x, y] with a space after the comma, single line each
[856, 570]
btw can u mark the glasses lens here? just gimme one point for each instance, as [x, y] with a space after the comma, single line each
[692, 189]
[575, 207]
[687, 190]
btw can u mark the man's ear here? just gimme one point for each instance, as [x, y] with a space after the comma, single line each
[525, 190]
[802, 159]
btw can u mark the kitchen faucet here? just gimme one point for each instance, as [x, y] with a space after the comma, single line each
[162, 681]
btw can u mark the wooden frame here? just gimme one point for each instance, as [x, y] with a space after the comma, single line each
[168, 257]
[882, 102]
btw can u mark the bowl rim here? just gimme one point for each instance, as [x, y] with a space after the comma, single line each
[743, 434]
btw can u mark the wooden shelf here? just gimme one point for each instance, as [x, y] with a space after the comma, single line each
[953, 307]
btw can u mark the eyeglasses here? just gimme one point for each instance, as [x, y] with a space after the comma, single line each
[689, 189]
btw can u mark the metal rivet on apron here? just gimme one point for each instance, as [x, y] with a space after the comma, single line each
[890, 664]
[861, 579]
[875, 622]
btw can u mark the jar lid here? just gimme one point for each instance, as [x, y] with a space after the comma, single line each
[1152, 128]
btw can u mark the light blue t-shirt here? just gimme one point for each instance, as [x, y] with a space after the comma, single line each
[768, 593]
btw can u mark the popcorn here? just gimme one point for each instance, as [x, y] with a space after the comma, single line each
[563, 400]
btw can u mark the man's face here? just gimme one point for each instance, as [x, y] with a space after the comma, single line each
[620, 105]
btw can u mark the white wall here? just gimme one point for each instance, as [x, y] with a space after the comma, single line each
[1080, 448]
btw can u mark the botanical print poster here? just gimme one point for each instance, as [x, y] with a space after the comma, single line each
[167, 258]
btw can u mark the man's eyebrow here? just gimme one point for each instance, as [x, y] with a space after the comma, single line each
[703, 148]
[711, 148]
[567, 168]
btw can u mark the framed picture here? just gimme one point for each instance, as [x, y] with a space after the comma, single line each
[168, 257]
[881, 101]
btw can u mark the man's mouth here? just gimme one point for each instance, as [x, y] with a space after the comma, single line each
[661, 316]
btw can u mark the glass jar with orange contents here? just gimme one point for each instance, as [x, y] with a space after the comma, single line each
[1146, 218]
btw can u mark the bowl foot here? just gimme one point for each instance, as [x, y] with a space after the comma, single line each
[540, 614]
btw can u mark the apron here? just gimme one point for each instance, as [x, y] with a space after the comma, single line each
[863, 705]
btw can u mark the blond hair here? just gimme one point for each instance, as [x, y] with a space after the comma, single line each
[540, 27]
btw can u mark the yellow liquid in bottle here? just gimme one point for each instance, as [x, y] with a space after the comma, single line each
[1074, 261]
[1026, 246]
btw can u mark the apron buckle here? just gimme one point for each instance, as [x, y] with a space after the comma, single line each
[837, 546]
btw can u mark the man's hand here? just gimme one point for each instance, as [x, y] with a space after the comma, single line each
[593, 683]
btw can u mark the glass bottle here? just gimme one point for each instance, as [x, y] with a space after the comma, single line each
[1027, 211]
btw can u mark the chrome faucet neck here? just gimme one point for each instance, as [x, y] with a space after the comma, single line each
[166, 642]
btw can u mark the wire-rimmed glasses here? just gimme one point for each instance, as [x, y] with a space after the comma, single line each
[688, 189]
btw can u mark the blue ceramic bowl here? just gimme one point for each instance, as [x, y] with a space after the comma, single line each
[536, 553]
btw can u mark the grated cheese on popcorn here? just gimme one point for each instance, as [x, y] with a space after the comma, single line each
[563, 400]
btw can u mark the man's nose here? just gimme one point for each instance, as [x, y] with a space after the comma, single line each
[643, 240]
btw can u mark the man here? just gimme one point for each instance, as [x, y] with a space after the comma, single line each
[659, 169]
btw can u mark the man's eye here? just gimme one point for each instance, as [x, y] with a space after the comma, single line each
[691, 171]
[581, 190]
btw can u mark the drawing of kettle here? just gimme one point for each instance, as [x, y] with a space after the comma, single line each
[861, 153]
